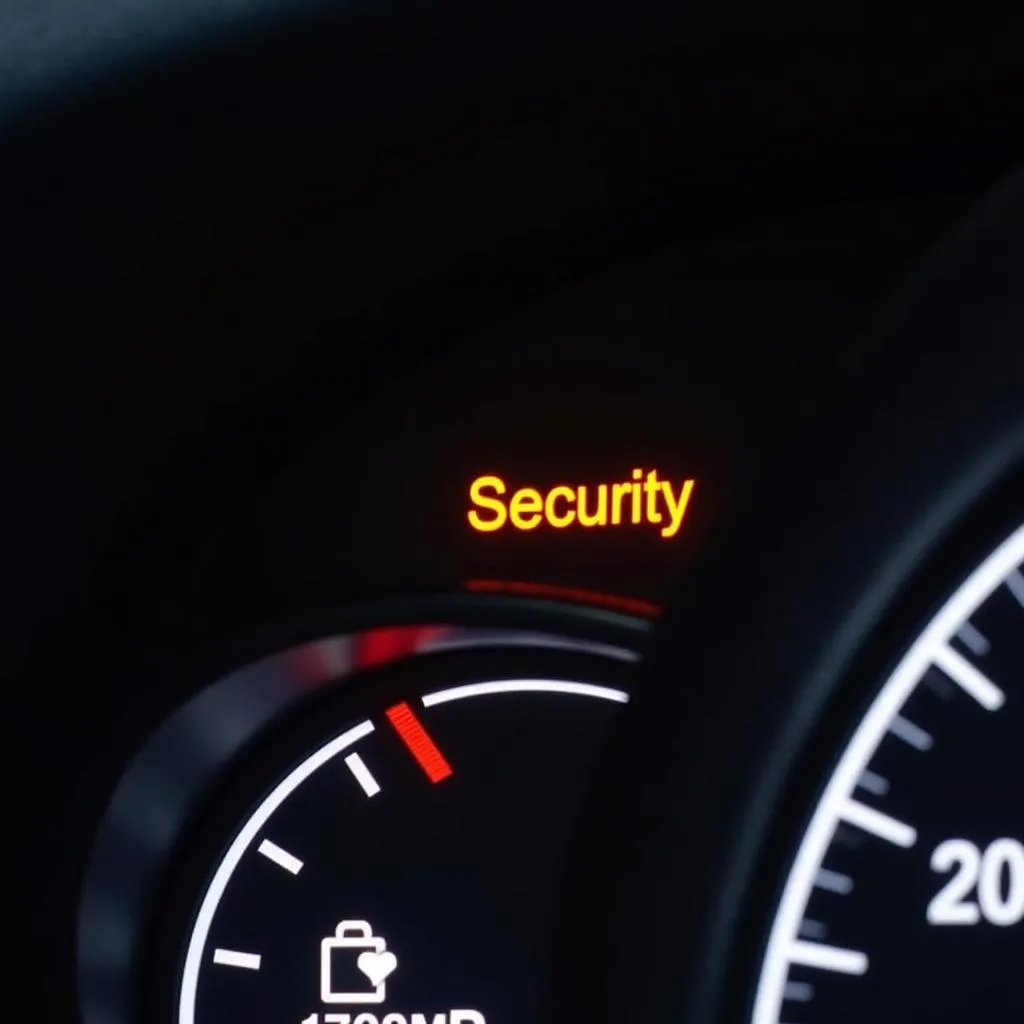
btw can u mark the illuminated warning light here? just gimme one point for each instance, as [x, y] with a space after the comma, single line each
[644, 500]
[417, 739]
[556, 592]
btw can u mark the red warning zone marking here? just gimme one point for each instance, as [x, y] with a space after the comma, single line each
[411, 732]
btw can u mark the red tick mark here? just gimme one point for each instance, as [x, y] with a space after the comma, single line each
[417, 739]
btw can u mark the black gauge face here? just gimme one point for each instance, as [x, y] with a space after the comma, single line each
[403, 869]
[906, 898]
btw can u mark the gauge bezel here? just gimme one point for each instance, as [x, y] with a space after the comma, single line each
[187, 760]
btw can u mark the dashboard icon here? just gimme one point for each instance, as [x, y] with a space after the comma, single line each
[353, 944]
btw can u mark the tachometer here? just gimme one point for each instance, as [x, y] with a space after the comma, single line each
[366, 828]
[905, 901]
[386, 849]
[402, 870]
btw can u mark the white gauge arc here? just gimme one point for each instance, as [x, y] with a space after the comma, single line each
[932, 648]
[247, 836]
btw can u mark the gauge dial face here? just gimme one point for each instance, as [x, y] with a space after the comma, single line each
[403, 870]
[906, 898]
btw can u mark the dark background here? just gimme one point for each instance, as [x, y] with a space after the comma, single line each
[234, 240]
[206, 221]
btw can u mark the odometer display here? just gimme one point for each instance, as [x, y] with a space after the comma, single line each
[905, 901]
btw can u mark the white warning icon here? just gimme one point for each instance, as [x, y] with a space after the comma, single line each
[355, 942]
[355, 965]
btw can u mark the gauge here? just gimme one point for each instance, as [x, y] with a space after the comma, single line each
[906, 897]
[384, 848]
[400, 870]
[812, 807]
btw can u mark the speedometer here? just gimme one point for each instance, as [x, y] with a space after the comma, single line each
[905, 901]
[813, 804]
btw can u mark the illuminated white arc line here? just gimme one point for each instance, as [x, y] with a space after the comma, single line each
[523, 686]
[215, 892]
[969, 679]
[207, 909]
[282, 858]
[828, 958]
[960, 607]
[363, 775]
[232, 958]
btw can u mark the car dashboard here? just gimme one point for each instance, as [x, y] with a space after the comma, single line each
[512, 516]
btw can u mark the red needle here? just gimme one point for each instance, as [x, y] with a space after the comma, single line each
[417, 739]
